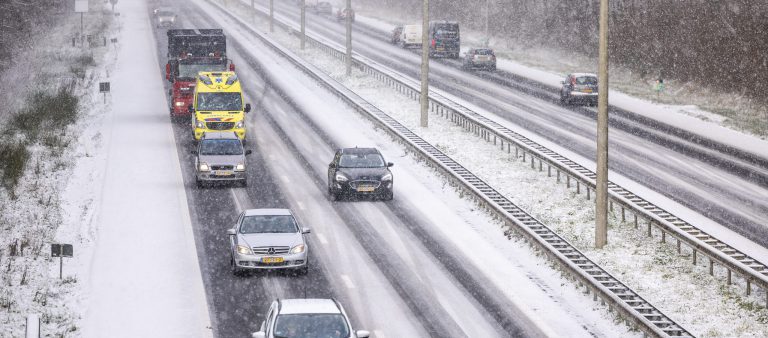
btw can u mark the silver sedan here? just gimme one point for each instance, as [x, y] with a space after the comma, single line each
[268, 239]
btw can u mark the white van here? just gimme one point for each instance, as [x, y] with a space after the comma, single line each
[411, 36]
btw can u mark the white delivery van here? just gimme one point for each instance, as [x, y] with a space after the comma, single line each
[411, 36]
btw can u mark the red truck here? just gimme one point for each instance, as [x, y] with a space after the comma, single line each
[191, 51]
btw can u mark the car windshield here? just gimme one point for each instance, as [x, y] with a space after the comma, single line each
[370, 160]
[586, 80]
[191, 70]
[219, 101]
[221, 147]
[311, 326]
[275, 224]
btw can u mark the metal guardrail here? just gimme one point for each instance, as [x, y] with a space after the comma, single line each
[700, 242]
[631, 306]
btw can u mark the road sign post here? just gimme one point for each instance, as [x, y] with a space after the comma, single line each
[104, 89]
[61, 251]
[424, 99]
[81, 6]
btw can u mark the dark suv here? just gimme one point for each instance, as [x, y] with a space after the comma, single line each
[579, 88]
[359, 171]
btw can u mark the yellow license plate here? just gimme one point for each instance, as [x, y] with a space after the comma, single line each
[586, 90]
[222, 173]
[365, 189]
[272, 260]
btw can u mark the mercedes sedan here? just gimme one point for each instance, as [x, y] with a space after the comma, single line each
[268, 239]
[359, 171]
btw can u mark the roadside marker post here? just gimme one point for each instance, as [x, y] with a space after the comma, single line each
[104, 89]
[61, 251]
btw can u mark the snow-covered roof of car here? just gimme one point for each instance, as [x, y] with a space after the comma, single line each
[583, 74]
[297, 306]
[219, 135]
[272, 212]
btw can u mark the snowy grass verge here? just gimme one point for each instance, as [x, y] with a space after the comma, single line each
[684, 291]
[45, 117]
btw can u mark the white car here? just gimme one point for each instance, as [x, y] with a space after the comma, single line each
[307, 318]
[165, 18]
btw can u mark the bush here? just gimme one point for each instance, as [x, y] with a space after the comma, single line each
[13, 159]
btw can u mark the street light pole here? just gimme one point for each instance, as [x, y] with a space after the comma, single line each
[271, 16]
[303, 22]
[601, 200]
[424, 99]
[348, 60]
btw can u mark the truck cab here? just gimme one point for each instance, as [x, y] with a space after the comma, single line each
[218, 104]
[191, 51]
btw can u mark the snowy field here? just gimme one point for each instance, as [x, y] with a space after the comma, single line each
[671, 282]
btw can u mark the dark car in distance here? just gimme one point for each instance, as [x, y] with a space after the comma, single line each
[579, 88]
[359, 172]
[396, 34]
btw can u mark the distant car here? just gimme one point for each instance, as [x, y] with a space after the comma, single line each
[480, 58]
[165, 18]
[220, 157]
[341, 14]
[324, 8]
[579, 88]
[396, 34]
[410, 36]
[268, 239]
[316, 318]
[359, 171]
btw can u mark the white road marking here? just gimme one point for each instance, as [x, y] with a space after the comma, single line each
[237, 202]
[285, 179]
[321, 238]
[301, 205]
[347, 281]
[378, 334]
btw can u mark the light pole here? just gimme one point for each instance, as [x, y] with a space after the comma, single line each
[348, 17]
[424, 99]
[601, 186]
[303, 22]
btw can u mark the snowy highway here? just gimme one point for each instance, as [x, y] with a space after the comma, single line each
[725, 185]
[392, 264]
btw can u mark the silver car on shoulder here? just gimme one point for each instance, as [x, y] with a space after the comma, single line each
[165, 17]
[268, 239]
[220, 157]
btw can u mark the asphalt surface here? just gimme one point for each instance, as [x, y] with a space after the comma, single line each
[724, 184]
[395, 300]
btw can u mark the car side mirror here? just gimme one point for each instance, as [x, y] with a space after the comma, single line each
[248, 151]
[247, 107]
[231, 232]
[362, 334]
[259, 334]
[231, 67]
[305, 230]
[390, 164]
[191, 109]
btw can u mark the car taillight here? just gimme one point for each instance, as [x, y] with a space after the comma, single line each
[433, 42]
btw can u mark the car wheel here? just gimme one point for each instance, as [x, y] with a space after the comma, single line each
[332, 196]
[493, 68]
[303, 271]
[199, 184]
[235, 270]
[389, 196]
[244, 183]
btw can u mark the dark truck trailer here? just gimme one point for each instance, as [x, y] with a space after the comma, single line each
[444, 39]
[191, 51]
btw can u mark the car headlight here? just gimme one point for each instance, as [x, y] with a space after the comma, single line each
[298, 249]
[240, 124]
[179, 104]
[341, 178]
[240, 167]
[387, 177]
[199, 124]
[204, 167]
[244, 250]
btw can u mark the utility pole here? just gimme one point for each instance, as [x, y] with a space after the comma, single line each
[303, 22]
[424, 99]
[271, 16]
[601, 199]
[348, 16]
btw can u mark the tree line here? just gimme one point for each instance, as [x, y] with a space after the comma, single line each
[720, 44]
[21, 19]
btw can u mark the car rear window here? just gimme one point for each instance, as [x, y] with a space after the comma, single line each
[586, 80]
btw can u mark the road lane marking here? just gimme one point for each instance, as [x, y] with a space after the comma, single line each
[378, 334]
[237, 202]
[301, 205]
[348, 282]
[321, 238]
[285, 179]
